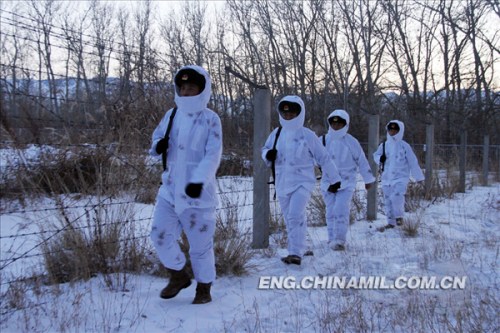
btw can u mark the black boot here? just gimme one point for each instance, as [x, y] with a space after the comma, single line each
[291, 259]
[202, 293]
[178, 281]
[385, 227]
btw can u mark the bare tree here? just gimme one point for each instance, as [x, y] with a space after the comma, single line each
[74, 31]
[102, 15]
[365, 30]
[124, 56]
[249, 60]
[484, 59]
[15, 77]
[456, 59]
[44, 12]
[142, 36]
[412, 28]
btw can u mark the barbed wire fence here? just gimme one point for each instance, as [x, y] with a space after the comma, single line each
[23, 245]
[237, 194]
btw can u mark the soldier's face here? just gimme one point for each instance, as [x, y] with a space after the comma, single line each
[336, 126]
[288, 115]
[189, 89]
[393, 131]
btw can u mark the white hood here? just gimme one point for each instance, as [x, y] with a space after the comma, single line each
[194, 103]
[296, 122]
[343, 131]
[399, 135]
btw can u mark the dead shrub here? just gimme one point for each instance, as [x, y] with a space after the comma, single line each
[234, 165]
[231, 243]
[412, 223]
[16, 295]
[358, 207]
[415, 193]
[277, 227]
[443, 186]
[81, 169]
[63, 171]
[317, 210]
[103, 241]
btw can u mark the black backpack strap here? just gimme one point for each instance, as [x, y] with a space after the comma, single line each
[323, 137]
[383, 154]
[273, 167]
[167, 137]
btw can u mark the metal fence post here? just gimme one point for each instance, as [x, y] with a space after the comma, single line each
[261, 129]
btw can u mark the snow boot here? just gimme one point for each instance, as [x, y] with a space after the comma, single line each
[291, 259]
[399, 221]
[338, 247]
[202, 293]
[178, 281]
[385, 227]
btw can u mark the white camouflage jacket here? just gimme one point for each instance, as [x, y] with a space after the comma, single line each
[299, 150]
[194, 151]
[401, 161]
[347, 154]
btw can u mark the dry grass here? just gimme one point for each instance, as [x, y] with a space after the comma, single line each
[412, 223]
[232, 246]
[277, 228]
[102, 240]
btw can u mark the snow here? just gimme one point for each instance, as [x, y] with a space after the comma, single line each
[457, 237]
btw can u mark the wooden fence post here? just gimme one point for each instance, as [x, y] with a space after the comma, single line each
[261, 129]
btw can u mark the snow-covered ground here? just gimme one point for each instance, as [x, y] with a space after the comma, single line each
[457, 242]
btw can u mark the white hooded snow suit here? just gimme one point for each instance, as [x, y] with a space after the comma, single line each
[194, 153]
[298, 150]
[401, 162]
[349, 157]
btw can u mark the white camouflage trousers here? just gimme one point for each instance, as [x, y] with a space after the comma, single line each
[338, 209]
[293, 207]
[394, 201]
[199, 227]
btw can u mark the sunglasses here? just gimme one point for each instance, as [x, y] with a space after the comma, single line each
[293, 108]
[290, 111]
[336, 121]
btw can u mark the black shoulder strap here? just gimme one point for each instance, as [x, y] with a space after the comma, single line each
[167, 137]
[273, 168]
[383, 154]
[276, 137]
[323, 137]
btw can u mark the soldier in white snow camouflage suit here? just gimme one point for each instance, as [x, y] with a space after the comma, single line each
[297, 151]
[187, 197]
[349, 157]
[398, 162]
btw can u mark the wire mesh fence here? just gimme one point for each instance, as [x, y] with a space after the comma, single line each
[28, 225]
